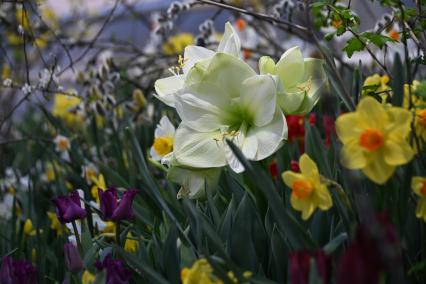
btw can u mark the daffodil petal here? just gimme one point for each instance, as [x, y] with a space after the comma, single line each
[353, 156]
[372, 112]
[164, 128]
[378, 170]
[289, 177]
[347, 127]
[421, 209]
[397, 152]
[308, 166]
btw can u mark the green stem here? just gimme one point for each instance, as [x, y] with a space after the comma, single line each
[117, 233]
[77, 236]
[340, 192]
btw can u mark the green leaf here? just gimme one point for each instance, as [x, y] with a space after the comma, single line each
[377, 39]
[353, 45]
[171, 257]
[335, 243]
[298, 237]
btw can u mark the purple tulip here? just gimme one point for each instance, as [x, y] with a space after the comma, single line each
[18, 271]
[73, 260]
[68, 208]
[300, 266]
[116, 272]
[114, 209]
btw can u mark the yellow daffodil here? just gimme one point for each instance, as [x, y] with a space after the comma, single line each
[177, 43]
[87, 277]
[64, 109]
[89, 172]
[49, 173]
[374, 139]
[200, 272]
[55, 225]
[163, 142]
[28, 228]
[62, 143]
[98, 183]
[307, 190]
[379, 84]
[416, 101]
[5, 71]
[418, 185]
[420, 124]
[131, 245]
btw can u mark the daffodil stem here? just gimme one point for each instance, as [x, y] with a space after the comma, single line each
[340, 192]
[77, 236]
[117, 233]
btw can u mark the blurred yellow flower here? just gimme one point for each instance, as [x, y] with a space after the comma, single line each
[374, 139]
[200, 272]
[131, 245]
[307, 190]
[416, 101]
[177, 43]
[380, 84]
[22, 17]
[418, 185]
[63, 108]
[28, 228]
[97, 183]
[5, 71]
[55, 225]
[87, 277]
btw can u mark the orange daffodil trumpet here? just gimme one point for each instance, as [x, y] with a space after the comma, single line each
[375, 139]
[308, 191]
[418, 185]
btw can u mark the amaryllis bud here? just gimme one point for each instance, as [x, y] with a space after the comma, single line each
[114, 209]
[68, 208]
[73, 260]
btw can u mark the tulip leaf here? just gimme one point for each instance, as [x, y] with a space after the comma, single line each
[332, 245]
[171, 256]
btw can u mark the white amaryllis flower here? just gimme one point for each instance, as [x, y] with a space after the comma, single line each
[227, 100]
[168, 88]
[301, 80]
[163, 142]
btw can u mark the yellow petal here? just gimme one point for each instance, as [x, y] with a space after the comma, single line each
[289, 177]
[347, 127]
[417, 185]
[372, 113]
[323, 198]
[305, 206]
[307, 166]
[378, 170]
[397, 153]
[421, 209]
[353, 156]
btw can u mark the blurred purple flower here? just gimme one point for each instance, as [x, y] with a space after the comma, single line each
[17, 271]
[116, 272]
[73, 260]
[363, 260]
[300, 266]
[68, 208]
[114, 209]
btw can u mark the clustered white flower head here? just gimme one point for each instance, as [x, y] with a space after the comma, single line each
[219, 97]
